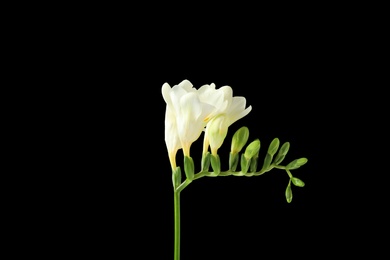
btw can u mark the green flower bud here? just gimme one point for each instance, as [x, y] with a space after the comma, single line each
[296, 163]
[216, 132]
[252, 149]
[297, 182]
[282, 153]
[239, 139]
[288, 192]
[284, 149]
[273, 147]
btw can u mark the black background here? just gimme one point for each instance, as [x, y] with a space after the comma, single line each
[126, 191]
[110, 184]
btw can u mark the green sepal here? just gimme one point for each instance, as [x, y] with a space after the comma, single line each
[233, 161]
[267, 162]
[252, 149]
[215, 163]
[296, 163]
[239, 139]
[273, 147]
[282, 153]
[254, 162]
[245, 163]
[176, 177]
[288, 192]
[205, 162]
[189, 167]
[297, 182]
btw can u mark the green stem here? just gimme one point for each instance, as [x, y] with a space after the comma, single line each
[177, 225]
[289, 174]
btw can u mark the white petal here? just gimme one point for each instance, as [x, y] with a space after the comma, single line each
[228, 92]
[215, 97]
[171, 136]
[190, 106]
[186, 85]
[165, 90]
[237, 114]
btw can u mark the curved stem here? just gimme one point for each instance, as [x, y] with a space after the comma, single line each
[183, 185]
[177, 225]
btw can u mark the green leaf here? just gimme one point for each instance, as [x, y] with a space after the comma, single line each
[273, 147]
[189, 168]
[215, 163]
[288, 192]
[296, 163]
[297, 182]
[239, 139]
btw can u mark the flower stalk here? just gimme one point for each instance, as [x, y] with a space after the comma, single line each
[176, 201]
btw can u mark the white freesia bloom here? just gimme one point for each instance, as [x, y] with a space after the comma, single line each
[172, 140]
[215, 97]
[186, 117]
[189, 110]
[228, 112]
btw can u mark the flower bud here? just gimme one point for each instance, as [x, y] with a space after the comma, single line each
[296, 163]
[288, 192]
[282, 153]
[273, 147]
[252, 149]
[239, 139]
[297, 182]
[216, 132]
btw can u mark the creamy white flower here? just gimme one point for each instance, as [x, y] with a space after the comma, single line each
[185, 119]
[227, 112]
[215, 97]
[190, 110]
[215, 133]
[172, 140]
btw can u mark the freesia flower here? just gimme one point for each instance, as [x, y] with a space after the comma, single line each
[228, 112]
[185, 119]
[172, 140]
